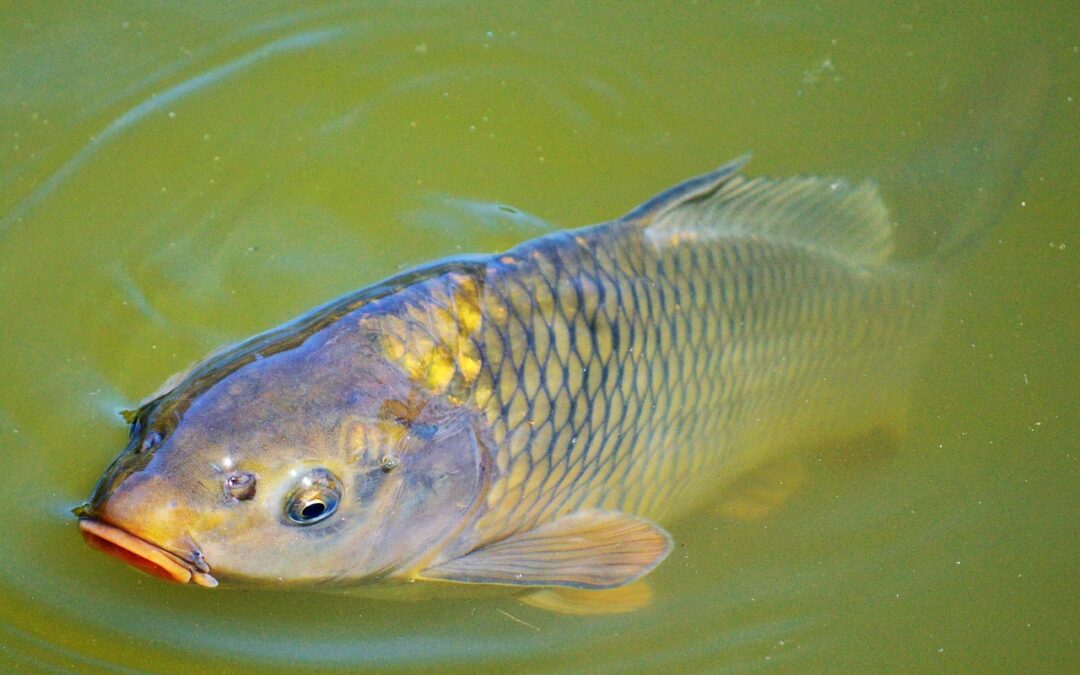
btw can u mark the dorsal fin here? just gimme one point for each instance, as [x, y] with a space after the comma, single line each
[705, 184]
[829, 214]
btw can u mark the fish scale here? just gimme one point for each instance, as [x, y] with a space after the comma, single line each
[527, 418]
[704, 340]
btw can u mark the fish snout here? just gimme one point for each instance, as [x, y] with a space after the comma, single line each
[138, 523]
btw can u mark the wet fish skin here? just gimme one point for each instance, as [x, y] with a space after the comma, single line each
[526, 418]
[639, 366]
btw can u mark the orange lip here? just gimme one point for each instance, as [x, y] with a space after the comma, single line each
[141, 554]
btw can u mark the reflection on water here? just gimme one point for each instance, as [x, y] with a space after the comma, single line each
[177, 178]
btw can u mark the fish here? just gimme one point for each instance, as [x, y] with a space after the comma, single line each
[531, 418]
[533, 421]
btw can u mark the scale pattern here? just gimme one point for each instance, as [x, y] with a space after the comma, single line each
[622, 372]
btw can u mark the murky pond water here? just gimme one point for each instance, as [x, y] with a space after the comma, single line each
[172, 179]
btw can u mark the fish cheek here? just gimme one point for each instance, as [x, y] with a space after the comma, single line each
[430, 495]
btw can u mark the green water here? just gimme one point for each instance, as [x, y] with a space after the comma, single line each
[175, 178]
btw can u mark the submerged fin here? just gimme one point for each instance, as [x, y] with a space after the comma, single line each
[864, 450]
[767, 487]
[764, 489]
[829, 214]
[589, 549]
[956, 184]
[589, 602]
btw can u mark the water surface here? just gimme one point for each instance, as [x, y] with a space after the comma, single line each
[174, 178]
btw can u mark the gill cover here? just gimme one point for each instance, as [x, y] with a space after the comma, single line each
[423, 492]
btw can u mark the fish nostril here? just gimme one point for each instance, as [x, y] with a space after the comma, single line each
[240, 485]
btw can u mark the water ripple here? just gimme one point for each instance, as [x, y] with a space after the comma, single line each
[157, 102]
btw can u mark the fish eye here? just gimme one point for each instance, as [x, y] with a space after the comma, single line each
[315, 498]
[240, 485]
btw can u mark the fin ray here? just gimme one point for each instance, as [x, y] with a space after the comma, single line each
[704, 184]
[826, 213]
[589, 549]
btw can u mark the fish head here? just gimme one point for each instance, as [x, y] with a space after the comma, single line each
[316, 465]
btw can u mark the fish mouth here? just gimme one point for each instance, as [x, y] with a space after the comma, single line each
[143, 555]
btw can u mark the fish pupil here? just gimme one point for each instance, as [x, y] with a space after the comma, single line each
[315, 497]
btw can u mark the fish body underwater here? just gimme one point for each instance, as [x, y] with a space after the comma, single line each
[530, 418]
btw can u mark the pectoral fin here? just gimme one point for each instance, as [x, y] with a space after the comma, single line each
[589, 549]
